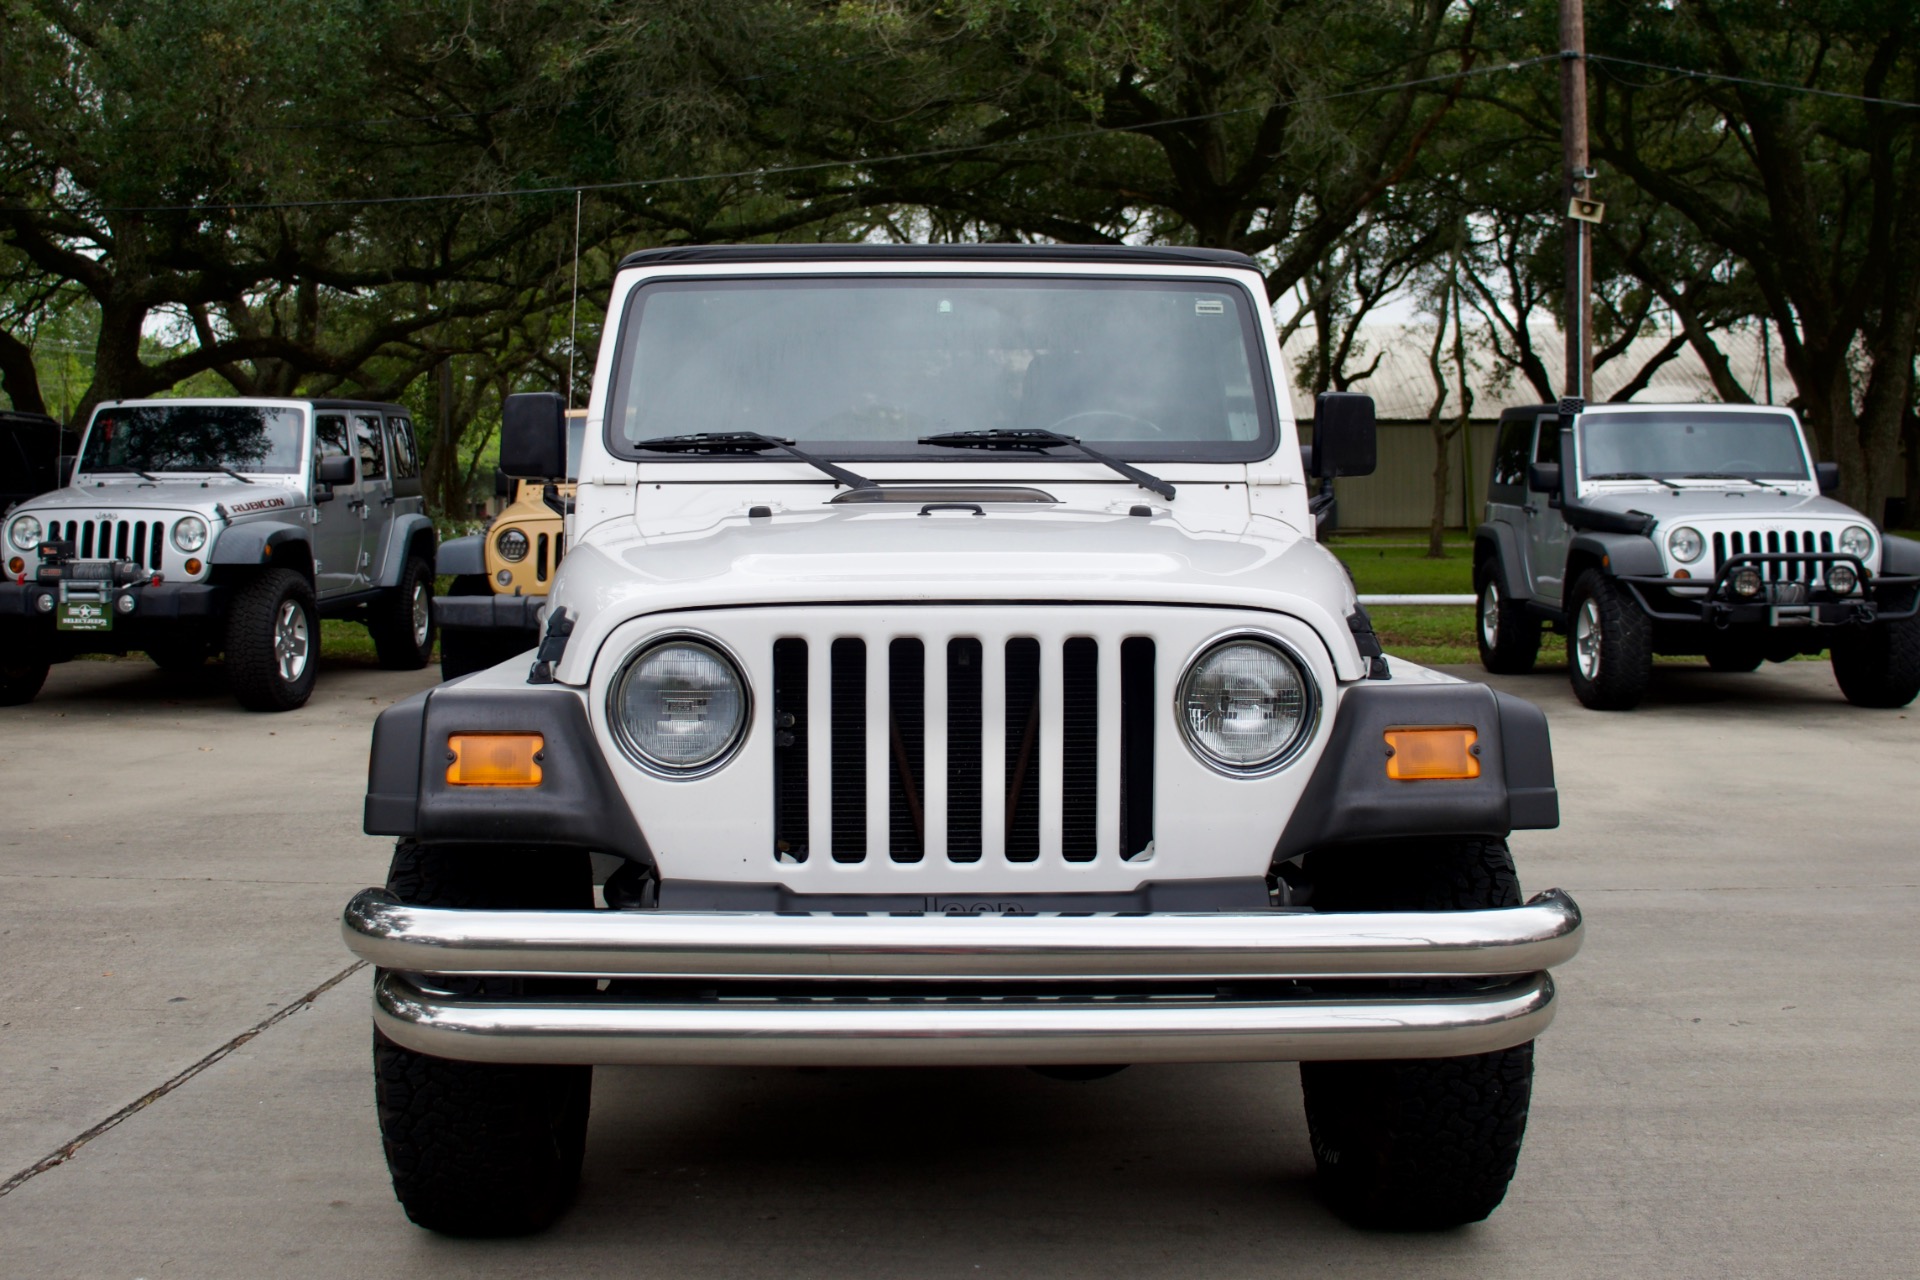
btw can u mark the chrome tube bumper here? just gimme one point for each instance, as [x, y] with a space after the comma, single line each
[890, 990]
[1219, 946]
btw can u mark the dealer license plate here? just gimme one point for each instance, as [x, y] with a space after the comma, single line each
[83, 615]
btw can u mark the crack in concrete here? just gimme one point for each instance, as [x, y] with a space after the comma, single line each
[68, 1150]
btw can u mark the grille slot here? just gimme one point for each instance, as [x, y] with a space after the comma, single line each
[962, 749]
[140, 541]
[1790, 542]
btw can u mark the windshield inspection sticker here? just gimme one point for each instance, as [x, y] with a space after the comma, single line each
[1209, 307]
[83, 615]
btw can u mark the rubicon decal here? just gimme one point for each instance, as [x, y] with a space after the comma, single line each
[261, 504]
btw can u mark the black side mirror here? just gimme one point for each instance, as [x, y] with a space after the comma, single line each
[502, 484]
[1543, 477]
[68, 462]
[533, 436]
[1343, 435]
[335, 468]
[1828, 474]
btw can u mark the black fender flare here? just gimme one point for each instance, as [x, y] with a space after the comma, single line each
[408, 531]
[1899, 557]
[467, 555]
[1615, 554]
[1502, 546]
[260, 542]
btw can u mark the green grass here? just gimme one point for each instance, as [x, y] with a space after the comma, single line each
[1397, 564]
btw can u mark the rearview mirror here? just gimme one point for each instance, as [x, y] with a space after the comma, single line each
[533, 436]
[1828, 474]
[335, 468]
[1343, 435]
[1543, 477]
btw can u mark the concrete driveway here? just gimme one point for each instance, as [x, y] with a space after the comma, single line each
[1732, 1088]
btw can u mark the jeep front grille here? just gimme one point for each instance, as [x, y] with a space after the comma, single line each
[1776, 542]
[963, 748]
[140, 541]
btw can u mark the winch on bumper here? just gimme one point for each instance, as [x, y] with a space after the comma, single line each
[818, 980]
[123, 589]
[1780, 589]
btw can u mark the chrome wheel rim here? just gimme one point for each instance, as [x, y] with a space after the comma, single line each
[1490, 615]
[290, 641]
[1586, 638]
[421, 618]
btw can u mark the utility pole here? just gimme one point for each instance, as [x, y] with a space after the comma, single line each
[1582, 213]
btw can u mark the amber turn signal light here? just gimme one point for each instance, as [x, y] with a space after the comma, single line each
[1415, 754]
[193, 566]
[494, 759]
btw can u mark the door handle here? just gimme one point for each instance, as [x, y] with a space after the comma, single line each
[387, 501]
[1531, 510]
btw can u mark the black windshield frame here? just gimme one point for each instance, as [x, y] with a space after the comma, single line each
[1259, 365]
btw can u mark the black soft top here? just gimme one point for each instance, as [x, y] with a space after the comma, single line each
[1112, 254]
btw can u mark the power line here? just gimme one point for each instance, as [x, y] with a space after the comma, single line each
[1690, 74]
[931, 153]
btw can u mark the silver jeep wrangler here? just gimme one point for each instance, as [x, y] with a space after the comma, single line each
[193, 527]
[943, 671]
[1643, 529]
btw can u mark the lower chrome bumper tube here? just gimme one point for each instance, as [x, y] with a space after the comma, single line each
[872, 1033]
[961, 949]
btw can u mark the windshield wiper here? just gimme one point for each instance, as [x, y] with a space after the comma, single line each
[209, 466]
[121, 466]
[1033, 440]
[1636, 475]
[1729, 475]
[750, 442]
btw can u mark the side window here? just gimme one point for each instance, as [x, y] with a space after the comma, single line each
[330, 436]
[406, 457]
[373, 448]
[1509, 479]
[1547, 447]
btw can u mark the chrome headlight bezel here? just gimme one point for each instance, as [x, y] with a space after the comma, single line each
[629, 741]
[1303, 732]
[1685, 544]
[521, 548]
[1861, 539]
[25, 544]
[189, 534]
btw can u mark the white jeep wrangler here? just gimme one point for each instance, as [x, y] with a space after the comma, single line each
[943, 672]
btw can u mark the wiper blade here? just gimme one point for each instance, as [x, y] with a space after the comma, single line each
[751, 442]
[1033, 440]
[1635, 475]
[121, 466]
[1730, 475]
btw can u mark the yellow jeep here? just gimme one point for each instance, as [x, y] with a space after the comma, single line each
[501, 575]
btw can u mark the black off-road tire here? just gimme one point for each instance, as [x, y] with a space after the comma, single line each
[1879, 666]
[1613, 675]
[1734, 655]
[484, 1149]
[1417, 1144]
[269, 667]
[1514, 645]
[401, 620]
[22, 671]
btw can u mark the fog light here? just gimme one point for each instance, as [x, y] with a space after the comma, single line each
[504, 577]
[1746, 581]
[1841, 579]
[1413, 754]
[494, 759]
[43, 602]
[123, 603]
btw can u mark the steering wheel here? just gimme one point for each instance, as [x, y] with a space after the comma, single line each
[1150, 428]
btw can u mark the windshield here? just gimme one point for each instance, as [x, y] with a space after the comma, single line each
[1673, 446]
[859, 367]
[194, 437]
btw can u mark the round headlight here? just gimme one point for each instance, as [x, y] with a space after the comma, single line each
[190, 533]
[1245, 705]
[1686, 544]
[679, 706]
[24, 533]
[1856, 541]
[512, 545]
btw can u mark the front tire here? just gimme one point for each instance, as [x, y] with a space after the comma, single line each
[1879, 665]
[273, 641]
[474, 1148]
[22, 673]
[1509, 638]
[401, 621]
[1428, 1143]
[1609, 645]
